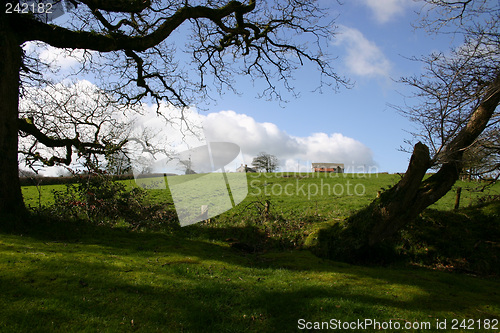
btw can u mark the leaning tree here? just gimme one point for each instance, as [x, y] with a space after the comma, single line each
[457, 98]
[149, 50]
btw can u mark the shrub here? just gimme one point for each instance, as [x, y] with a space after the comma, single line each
[262, 225]
[100, 199]
[464, 240]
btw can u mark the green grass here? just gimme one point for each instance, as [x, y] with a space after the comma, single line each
[113, 281]
[68, 276]
[337, 194]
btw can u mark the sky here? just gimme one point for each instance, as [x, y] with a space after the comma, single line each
[357, 126]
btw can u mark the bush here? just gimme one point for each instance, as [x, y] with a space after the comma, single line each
[100, 199]
[262, 226]
[464, 240]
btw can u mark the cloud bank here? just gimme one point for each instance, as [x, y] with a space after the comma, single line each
[295, 153]
[187, 129]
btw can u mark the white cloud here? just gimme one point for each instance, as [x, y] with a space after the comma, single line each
[294, 152]
[385, 10]
[56, 57]
[252, 136]
[363, 57]
[62, 58]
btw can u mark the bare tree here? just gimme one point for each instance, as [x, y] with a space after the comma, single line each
[458, 95]
[77, 119]
[482, 159]
[133, 49]
[118, 163]
[265, 162]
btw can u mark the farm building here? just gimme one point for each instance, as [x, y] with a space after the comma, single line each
[328, 167]
[245, 168]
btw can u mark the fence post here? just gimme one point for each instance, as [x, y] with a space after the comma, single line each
[457, 198]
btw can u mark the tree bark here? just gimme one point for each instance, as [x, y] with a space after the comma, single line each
[367, 236]
[11, 199]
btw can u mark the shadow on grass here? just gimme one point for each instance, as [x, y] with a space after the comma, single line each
[466, 240]
[189, 298]
[186, 294]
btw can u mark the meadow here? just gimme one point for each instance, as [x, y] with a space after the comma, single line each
[251, 269]
[329, 195]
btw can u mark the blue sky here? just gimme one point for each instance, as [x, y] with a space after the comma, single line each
[355, 126]
[374, 40]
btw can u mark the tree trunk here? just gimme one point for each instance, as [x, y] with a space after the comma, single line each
[11, 200]
[367, 235]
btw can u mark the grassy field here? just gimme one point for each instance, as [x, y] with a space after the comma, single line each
[71, 276]
[340, 194]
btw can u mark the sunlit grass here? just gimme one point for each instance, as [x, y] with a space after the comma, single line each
[151, 282]
[341, 194]
[67, 276]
